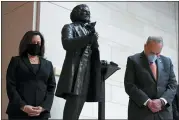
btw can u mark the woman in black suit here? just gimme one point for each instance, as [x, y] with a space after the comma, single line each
[30, 81]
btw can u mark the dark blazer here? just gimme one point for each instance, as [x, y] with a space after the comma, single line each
[74, 39]
[24, 87]
[176, 105]
[140, 85]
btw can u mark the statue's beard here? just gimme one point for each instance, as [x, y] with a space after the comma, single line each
[84, 18]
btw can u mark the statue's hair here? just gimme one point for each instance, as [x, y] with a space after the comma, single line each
[74, 15]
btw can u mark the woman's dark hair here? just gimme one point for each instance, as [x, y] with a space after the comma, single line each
[27, 39]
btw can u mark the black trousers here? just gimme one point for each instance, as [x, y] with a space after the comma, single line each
[73, 107]
[74, 103]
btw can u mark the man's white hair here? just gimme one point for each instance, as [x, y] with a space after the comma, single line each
[156, 39]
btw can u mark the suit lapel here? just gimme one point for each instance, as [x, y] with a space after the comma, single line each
[159, 68]
[41, 65]
[28, 64]
[146, 65]
[80, 31]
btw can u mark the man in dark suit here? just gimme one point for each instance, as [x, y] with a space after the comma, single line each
[176, 105]
[150, 83]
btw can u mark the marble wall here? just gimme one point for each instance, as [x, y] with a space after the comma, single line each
[123, 28]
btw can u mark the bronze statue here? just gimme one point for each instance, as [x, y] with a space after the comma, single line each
[80, 80]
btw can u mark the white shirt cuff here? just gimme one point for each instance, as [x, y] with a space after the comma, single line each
[146, 102]
[164, 100]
